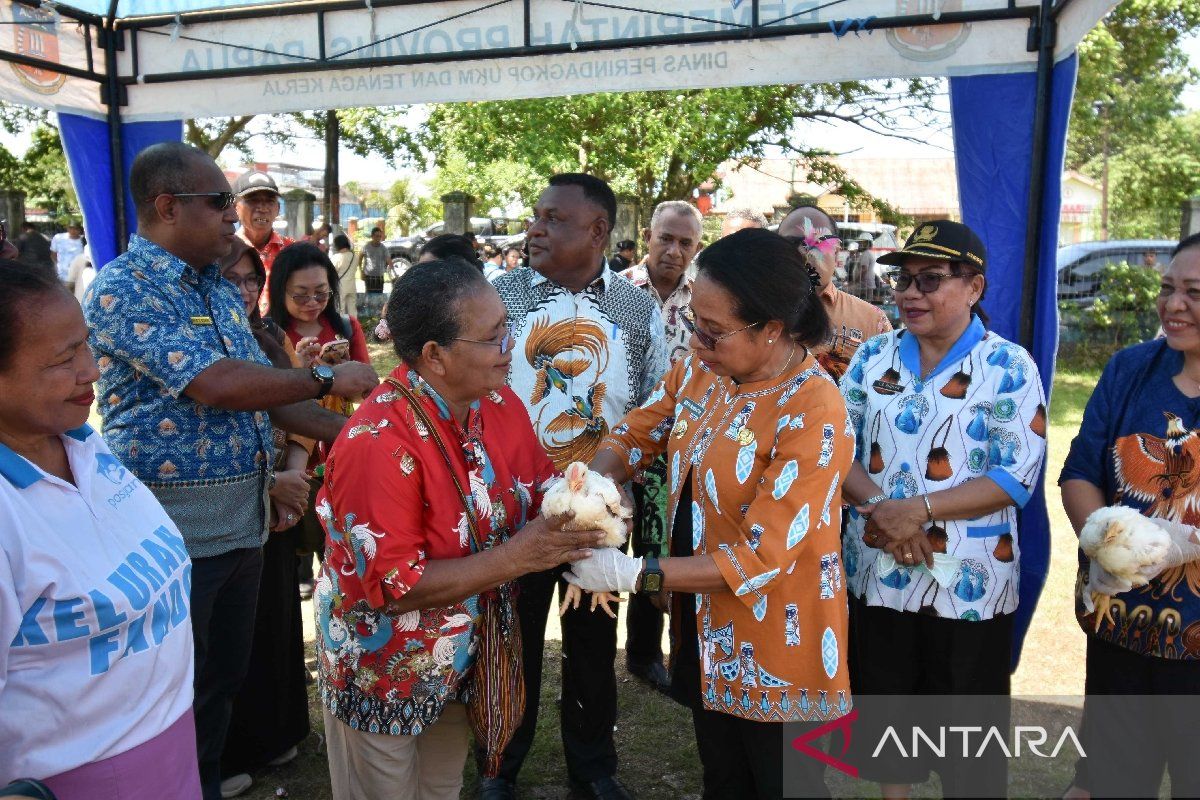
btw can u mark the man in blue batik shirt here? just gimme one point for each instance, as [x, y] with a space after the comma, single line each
[185, 394]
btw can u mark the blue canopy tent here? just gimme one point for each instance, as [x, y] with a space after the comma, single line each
[122, 74]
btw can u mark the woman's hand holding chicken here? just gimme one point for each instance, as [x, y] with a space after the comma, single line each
[1128, 549]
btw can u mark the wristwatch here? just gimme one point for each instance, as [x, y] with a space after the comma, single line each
[323, 374]
[652, 576]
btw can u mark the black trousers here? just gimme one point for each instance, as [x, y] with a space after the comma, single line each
[905, 653]
[270, 711]
[589, 684]
[743, 759]
[224, 597]
[374, 283]
[1137, 722]
[643, 621]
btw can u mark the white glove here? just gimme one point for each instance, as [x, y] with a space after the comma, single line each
[1102, 581]
[607, 569]
[1185, 546]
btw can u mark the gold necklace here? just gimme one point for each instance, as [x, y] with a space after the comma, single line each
[786, 364]
[738, 384]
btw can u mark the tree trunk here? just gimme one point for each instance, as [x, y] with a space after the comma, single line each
[213, 146]
[332, 192]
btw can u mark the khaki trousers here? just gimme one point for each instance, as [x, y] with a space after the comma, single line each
[376, 766]
[349, 299]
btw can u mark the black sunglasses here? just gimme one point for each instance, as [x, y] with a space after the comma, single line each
[218, 200]
[927, 282]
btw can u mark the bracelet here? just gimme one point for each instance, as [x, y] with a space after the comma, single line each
[879, 498]
[270, 480]
[928, 507]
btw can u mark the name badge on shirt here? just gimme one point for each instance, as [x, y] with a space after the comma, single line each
[201, 320]
[887, 387]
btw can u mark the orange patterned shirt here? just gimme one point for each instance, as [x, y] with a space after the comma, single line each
[766, 462]
[852, 321]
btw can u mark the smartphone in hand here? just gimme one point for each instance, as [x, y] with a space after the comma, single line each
[335, 352]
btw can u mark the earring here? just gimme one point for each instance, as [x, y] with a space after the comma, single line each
[770, 341]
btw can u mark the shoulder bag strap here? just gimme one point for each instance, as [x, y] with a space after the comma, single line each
[425, 420]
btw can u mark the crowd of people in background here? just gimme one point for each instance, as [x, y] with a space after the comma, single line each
[826, 507]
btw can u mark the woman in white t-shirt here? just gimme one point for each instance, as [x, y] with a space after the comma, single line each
[345, 261]
[95, 641]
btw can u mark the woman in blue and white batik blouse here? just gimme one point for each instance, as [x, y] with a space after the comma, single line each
[950, 422]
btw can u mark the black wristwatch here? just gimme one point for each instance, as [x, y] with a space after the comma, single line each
[323, 374]
[652, 576]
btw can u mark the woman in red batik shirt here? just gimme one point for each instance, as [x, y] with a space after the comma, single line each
[398, 594]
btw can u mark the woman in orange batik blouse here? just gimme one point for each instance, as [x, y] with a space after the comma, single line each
[757, 447]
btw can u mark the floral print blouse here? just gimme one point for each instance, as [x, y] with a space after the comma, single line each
[389, 505]
[766, 462]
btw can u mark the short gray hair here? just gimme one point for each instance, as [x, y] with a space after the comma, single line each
[676, 207]
[748, 214]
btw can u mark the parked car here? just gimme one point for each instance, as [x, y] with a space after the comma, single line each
[1079, 265]
[496, 231]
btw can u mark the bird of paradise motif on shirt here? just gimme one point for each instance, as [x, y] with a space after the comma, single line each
[586, 412]
[1165, 473]
[548, 350]
[358, 540]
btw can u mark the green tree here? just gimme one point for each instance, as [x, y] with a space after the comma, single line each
[494, 183]
[363, 131]
[660, 145]
[1124, 309]
[10, 170]
[408, 210]
[46, 174]
[1132, 73]
[41, 173]
[1152, 177]
[403, 207]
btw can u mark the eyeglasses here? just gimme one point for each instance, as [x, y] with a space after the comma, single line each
[218, 200]
[706, 340]
[505, 344]
[927, 282]
[252, 283]
[305, 299]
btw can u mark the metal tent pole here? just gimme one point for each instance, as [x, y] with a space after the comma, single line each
[113, 96]
[1045, 35]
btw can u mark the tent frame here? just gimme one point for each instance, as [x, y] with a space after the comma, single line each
[110, 38]
[324, 62]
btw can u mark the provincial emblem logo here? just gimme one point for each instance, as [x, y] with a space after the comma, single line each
[35, 34]
[928, 42]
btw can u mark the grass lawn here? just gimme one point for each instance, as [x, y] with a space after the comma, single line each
[654, 735]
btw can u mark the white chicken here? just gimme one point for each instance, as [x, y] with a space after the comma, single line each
[596, 503]
[1125, 544]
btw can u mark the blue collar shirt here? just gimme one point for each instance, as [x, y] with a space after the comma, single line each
[156, 323]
